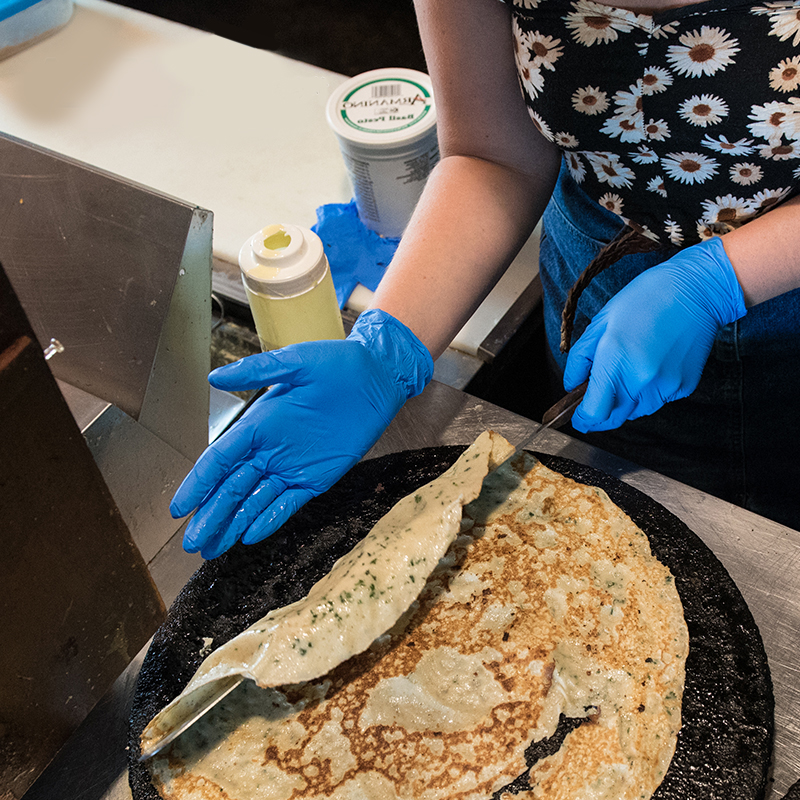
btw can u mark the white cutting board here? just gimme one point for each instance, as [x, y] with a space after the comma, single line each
[227, 127]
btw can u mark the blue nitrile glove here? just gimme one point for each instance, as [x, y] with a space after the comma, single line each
[329, 402]
[648, 345]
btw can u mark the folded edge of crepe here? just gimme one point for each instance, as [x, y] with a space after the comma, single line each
[363, 596]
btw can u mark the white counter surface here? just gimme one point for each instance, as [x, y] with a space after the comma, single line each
[230, 128]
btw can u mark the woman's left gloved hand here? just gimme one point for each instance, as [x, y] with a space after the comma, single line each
[328, 403]
[648, 345]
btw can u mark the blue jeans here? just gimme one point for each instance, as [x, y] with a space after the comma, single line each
[738, 435]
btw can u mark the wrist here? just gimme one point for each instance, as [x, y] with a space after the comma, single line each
[396, 346]
[715, 281]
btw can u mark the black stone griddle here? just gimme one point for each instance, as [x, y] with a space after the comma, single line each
[725, 744]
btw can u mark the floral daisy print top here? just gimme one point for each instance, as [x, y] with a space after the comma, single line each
[685, 123]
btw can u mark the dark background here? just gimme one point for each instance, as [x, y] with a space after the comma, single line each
[345, 36]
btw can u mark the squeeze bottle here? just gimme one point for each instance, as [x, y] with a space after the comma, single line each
[289, 287]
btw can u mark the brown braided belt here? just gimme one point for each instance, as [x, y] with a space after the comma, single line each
[627, 242]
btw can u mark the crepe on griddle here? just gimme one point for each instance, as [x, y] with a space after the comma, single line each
[549, 602]
[362, 596]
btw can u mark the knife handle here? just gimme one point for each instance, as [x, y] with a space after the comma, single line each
[561, 413]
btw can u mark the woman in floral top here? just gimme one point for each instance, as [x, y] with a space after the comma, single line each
[677, 125]
[659, 142]
[690, 133]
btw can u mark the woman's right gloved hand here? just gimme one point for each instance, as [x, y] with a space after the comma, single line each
[329, 403]
[649, 344]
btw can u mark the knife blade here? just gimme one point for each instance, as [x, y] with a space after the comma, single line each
[555, 417]
[176, 727]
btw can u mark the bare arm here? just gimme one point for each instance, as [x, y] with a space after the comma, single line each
[765, 253]
[492, 184]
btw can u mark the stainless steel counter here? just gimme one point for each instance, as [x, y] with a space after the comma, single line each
[761, 556]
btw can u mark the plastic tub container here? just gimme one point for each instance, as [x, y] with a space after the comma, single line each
[24, 22]
[385, 122]
[289, 287]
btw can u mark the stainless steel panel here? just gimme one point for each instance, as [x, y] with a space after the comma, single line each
[77, 602]
[142, 473]
[120, 275]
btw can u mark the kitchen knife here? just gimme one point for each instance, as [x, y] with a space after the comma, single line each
[555, 417]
